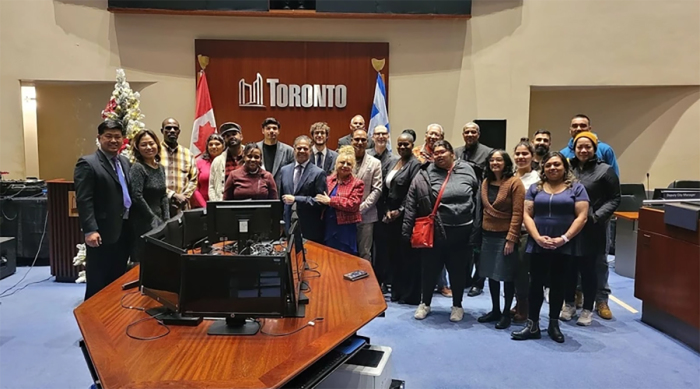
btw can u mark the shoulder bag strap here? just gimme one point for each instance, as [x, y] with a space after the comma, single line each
[442, 189]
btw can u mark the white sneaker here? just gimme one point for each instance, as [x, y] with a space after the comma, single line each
[421, 312]
[546, 295]
[457, 314]
[567, 312]
[586, 318]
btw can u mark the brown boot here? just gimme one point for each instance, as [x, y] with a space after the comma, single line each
[521, 313]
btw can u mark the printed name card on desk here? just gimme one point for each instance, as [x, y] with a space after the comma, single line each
[683, 215]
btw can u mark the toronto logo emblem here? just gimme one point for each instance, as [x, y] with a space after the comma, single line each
[292, 95]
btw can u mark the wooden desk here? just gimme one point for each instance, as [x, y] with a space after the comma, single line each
[668, 277]
[626, 243]
[189, 358]
[632, 216]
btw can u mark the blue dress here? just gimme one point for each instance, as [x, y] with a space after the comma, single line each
[341, 237]
[553, 215]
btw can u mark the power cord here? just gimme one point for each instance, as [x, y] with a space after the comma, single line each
[160, 322]
[30, 267]
[121, 302]
[312, 268]
[26, 285]
[309, 324]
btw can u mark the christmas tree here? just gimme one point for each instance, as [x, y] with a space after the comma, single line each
[124, 106]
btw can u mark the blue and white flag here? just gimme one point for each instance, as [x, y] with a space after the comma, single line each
[379, 115]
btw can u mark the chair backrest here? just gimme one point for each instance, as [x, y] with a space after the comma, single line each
[629, 203]
[636, 190]
[685, 184]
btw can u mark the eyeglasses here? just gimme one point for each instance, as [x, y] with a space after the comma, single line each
[381, 133]
[360, 140]
[171, 128]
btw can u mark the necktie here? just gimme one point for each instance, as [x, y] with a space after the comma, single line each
[297, 176]
[122, 182]
[319, 159]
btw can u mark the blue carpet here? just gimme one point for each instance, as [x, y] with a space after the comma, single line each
[39, 335]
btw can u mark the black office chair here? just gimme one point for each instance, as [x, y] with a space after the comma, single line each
[636, 190]
[685, 185]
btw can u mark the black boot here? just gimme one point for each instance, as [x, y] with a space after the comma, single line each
[554, 331]
[530, 331]
[504, 322]
[490, 317]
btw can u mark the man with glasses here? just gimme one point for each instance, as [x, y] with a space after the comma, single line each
[101, 184]
[581, 123]
[300, 182]
[357, 122]
[433, 133]
[369, 170]
[322, 156]
[180, 168]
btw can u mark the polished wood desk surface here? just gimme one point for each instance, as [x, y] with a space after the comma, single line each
[189, 358]
[628, 215]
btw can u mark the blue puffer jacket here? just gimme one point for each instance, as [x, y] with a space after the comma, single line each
[604, 152]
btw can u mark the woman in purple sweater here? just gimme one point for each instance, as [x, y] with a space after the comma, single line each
[556, 210]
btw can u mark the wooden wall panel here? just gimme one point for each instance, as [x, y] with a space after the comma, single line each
[332, 63]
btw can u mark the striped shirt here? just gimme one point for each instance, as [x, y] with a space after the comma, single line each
[180, 170]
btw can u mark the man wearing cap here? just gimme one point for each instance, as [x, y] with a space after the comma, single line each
[275, 154]
[227, 162]
[356, 123]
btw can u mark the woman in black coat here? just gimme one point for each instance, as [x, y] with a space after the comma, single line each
[404, 264]
[603, 188]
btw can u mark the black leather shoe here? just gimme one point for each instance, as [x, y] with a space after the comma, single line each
[475, 291]
[490, 317]
[554, 331]
[503, 323]
[530, 331]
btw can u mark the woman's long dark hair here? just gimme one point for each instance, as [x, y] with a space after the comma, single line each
[508, 170]
[205, 154]
[137, 139]
[569, 177]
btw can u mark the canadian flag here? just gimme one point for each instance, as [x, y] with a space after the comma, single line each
[204, 124]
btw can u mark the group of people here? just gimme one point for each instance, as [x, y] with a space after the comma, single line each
[534, 221]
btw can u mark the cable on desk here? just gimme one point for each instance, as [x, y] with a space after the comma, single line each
[121, 302]
[312, 268]
[318, 273]
[309, 324]
[167, 329]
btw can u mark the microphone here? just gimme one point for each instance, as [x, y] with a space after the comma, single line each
[646, 192]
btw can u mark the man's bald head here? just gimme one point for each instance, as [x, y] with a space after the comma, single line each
[357, 122]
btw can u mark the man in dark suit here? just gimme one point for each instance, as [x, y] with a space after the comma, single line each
[356, 123]
[321, 155]
[101, 185]
[300, 182]
[275, 154]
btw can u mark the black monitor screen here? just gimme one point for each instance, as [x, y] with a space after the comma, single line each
[160, 272]
[174, 231]
[257, 220]
[222, 285]
[195, 221]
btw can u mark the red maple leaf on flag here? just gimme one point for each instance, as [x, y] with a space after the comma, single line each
[204, 132]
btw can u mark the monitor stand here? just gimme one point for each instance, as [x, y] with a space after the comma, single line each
[234, 326]
[169, 317]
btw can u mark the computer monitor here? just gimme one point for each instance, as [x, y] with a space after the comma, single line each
[195, 232]
[235, 287]
[175, 231]
[244, 221]
[160, 269]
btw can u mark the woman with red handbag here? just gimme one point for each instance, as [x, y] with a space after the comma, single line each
[343, 201]
[439, 218]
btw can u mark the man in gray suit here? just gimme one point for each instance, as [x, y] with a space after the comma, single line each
[275, 154]
[369, 170]
[322, 156]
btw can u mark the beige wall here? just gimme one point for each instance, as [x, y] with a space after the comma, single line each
[441, 71]
[66, 125]
[653, 130]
